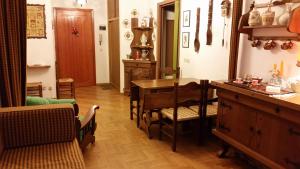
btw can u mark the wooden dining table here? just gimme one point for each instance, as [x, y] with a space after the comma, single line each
[156, 86]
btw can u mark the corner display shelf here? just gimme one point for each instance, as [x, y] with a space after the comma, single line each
[135, 68]
[138, 31]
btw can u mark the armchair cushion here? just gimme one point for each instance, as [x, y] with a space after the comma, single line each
[59, 155]
[31, 101]
[35, 125]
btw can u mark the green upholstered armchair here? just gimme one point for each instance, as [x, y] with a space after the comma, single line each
[85, 125]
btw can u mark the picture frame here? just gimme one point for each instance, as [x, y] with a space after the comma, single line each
[36, 21]
[186, 18]
[185, 39]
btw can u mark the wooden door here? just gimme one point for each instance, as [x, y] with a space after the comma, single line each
[75, 46]
[114, 42]
[169, 43]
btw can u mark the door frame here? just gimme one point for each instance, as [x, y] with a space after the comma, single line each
[55, 9]
[160, 15]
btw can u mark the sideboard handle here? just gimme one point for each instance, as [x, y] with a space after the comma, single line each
[251, 129]
[290, 162]
[225, 105]
[223, 127]
[294, 132]
[277, 110]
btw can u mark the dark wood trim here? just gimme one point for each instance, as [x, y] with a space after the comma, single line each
[235, 38]
[55, 9]
[160, 7]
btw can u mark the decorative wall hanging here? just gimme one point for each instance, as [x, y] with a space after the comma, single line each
[128, 35]
[126, 23]
[209, 25]
[197, 41]
[134, 13]
[36, 21]
[186, 18]
[225, 7]
[185, 39]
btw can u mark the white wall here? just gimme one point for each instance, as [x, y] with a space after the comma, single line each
[212, 61]
[42, 51]
[258, 61]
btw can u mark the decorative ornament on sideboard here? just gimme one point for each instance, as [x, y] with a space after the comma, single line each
[81, 2]
[285, 17]
[268, 16]
[254, 18]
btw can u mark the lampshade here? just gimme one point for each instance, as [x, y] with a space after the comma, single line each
[298, 60]
[81, 2]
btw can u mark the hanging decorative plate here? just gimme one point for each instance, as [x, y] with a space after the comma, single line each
[153, 36]
[134, 13]
[128, 35]
[126, 23]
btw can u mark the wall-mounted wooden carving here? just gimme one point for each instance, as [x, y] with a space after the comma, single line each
[197, 41]
[209, 25]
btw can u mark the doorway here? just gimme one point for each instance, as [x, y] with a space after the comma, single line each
[167, 42]
[75, 46]
[114, 43]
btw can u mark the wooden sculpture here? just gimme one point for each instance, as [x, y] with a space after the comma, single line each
[209, 25]
[197, 41]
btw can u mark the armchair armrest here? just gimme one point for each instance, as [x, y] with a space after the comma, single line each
[86, 127]
[88, 117]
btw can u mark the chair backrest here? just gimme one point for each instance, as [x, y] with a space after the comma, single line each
[192, 94]
[159, 100]
[169, 72]
[134, 90]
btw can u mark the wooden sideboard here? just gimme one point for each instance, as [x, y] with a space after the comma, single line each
[263, 127]
[142, 69]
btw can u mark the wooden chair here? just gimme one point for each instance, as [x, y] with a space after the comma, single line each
[34, 89]
[185, 96]
[134, 93]
[211, 110]
[169, 72]
[65, 88]
[154, 102]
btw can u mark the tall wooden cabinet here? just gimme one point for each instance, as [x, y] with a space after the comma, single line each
[265, 128]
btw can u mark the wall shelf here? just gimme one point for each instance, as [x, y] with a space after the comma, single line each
[264, 27]
[143, 28]
[37, 66]
[142, 47]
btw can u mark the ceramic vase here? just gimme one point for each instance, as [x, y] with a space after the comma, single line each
[268, 17]
[254, 18]
[285, 17]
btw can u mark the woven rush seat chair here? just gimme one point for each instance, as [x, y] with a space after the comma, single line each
[191, 94]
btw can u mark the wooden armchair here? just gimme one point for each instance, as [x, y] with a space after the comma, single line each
[169, 72]
[191, 94]
[85, 125]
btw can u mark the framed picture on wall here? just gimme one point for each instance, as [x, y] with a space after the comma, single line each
[36, 21]
[185, 39]
[186, 18]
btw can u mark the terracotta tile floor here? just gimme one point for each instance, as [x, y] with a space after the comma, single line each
[121, 145]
